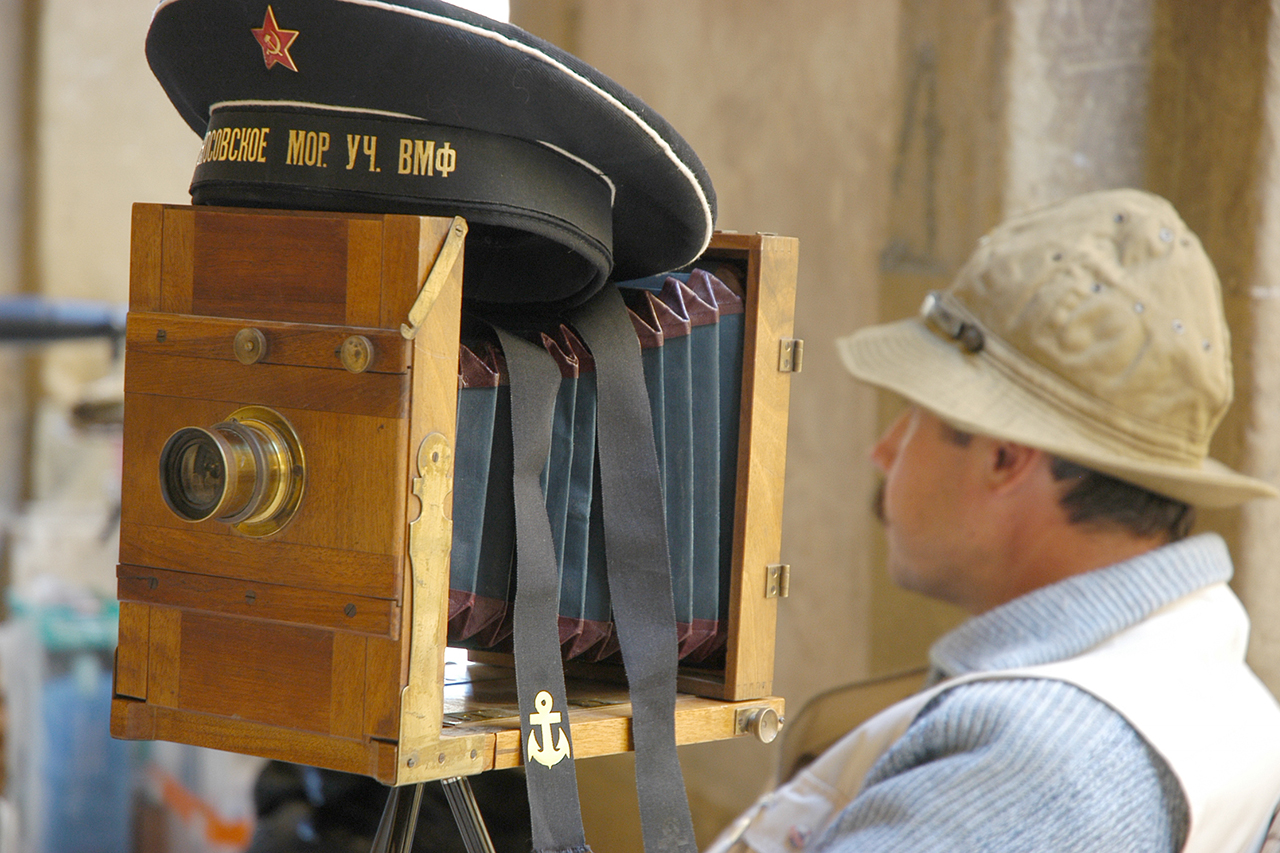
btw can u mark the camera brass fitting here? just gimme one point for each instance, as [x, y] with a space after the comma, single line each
[247, 471]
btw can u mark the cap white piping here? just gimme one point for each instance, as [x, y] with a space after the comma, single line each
[309, 105]
[568, 72]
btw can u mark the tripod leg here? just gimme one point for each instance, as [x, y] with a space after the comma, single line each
[399, 820]
[466, 812]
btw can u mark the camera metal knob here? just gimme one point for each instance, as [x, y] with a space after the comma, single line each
[356, 353]
[250, 346]
[763, 723]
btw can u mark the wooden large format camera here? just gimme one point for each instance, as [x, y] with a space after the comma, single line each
[309, 623]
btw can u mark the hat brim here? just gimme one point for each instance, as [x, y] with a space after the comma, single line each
[967, 391]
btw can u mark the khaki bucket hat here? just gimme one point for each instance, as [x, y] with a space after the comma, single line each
[1091, 329]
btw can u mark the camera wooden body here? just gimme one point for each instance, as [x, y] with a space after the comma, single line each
[323, 642]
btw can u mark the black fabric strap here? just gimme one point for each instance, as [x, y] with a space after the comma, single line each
[639, 568]
[544, 711]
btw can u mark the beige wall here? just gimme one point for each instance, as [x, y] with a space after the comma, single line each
[106, 136]
[1257, 302]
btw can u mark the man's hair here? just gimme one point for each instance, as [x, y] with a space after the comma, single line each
[1100, 499]
[1096, 498]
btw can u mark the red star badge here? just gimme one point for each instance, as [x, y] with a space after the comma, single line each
[275, 42]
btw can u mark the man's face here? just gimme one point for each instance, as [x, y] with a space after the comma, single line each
[926, 505]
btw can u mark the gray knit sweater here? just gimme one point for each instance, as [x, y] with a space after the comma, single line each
[1033, 764]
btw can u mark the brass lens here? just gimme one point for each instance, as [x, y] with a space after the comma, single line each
[246, 471]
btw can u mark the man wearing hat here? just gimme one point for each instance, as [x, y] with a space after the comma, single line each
[1061, 396]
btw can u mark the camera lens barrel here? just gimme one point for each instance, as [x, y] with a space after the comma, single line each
[246, 471]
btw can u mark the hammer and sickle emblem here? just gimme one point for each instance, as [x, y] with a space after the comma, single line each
[544, 717]
[275, 42]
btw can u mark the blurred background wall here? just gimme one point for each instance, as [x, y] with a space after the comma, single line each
[886, 134]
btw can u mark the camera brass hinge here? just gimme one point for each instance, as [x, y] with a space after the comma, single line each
[777, 580]
[790, 355]
[435, 278]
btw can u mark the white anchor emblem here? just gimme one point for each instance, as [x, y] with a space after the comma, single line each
[544, 717]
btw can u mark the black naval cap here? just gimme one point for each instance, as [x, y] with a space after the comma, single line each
[418, 106]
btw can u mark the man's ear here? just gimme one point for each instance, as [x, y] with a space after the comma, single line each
[1010, 464]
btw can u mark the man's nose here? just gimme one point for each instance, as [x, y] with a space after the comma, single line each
[884, 451]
